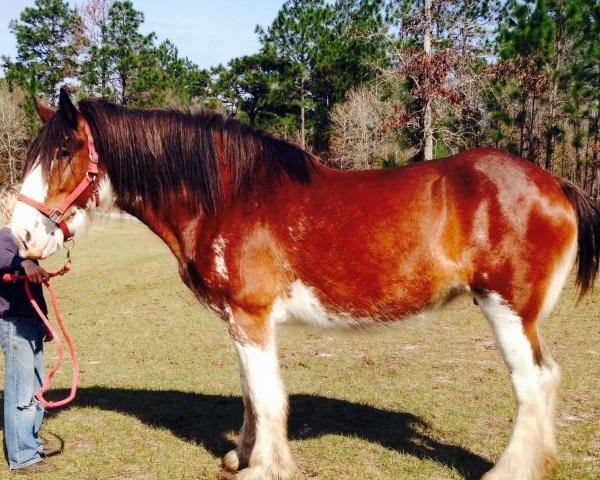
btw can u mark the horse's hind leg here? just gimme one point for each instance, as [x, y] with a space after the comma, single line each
[531, 453]
[262, 451]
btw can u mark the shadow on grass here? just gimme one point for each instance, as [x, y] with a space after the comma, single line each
[206, 419]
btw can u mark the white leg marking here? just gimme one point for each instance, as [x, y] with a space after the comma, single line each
[558, 280]
[531, 452]
[266, 406]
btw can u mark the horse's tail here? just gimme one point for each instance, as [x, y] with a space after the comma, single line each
[588, 235]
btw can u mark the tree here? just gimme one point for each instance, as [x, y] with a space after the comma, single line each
[293, 36]
[49, 39]
[123, 64]
[527, 34]
[255, 85]
[361, 134]
[348, 53]
[95, 69]
[586, 71]
[427, 120]
[126, 66]
[13, 133]
[94, 14]
[554, 44]
[182, 79]
[327, 49]
[439, 48]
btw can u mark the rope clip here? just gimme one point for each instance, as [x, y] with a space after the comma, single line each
[68, 246]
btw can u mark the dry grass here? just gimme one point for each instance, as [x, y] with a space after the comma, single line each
[159, 394]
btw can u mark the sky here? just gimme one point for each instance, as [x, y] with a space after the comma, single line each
[208, 32]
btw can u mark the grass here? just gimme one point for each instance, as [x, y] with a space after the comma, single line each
[159, 391]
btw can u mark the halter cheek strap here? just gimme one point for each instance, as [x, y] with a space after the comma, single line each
[56, 214]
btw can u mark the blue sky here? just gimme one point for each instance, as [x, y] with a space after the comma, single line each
[208, 32]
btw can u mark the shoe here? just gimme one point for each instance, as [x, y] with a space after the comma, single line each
[50, 451]
[43, 466]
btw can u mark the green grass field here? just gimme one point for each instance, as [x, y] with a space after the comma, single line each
[159, 396]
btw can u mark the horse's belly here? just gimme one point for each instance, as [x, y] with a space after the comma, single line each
[302, 305]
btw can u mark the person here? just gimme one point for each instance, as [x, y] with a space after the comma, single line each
[22, 335]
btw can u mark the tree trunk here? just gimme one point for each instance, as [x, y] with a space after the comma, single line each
[551, 127]
[532, 151]
[586, 172]
[11, 168]
[302, 119]
[427, 114]
[123, 88]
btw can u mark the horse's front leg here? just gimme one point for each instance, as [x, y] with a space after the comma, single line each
[262, 449]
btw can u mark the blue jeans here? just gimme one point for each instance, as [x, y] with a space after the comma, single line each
[22, 340]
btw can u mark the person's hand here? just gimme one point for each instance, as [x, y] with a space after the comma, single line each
[34, 272]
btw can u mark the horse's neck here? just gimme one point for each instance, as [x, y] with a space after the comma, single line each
[176, 224]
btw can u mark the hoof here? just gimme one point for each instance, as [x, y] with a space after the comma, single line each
[225, 475]
[550, 461]
[266, 473]
[512, 472]
[231, 461]
[492, 475]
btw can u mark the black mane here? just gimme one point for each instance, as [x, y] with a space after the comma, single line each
[151, 154]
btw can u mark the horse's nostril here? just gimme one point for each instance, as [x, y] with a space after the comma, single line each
[27, 236]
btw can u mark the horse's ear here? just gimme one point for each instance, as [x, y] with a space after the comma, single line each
[66, 107]
[42, 110]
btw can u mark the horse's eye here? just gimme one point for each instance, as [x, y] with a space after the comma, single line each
[65, 155]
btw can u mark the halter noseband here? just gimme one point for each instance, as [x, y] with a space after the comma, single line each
[56, 214]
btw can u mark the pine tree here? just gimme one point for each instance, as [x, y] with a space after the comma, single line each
[293, 36]
[552, 47]
[127, 51]
[256, 86]
[182, 80]
[327, 49]
[49, 40]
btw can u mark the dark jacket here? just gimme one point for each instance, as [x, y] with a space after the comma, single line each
[13, 299]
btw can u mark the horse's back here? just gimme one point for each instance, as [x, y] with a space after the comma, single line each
[399, 241]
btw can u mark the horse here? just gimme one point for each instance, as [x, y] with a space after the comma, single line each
[265, 233]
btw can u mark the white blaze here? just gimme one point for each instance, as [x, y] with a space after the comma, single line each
[36, 188]
[29, 226]
[38, 236]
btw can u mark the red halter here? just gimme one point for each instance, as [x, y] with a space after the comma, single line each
[56, 214]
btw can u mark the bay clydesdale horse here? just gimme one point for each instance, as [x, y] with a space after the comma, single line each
[265, 233]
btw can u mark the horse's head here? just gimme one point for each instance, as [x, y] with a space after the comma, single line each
[61, 182]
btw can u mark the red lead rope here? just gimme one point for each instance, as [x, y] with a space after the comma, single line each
[7, 277]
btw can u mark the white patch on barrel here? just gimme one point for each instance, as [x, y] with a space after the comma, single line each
[302, 305]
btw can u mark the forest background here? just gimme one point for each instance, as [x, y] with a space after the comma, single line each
[362, 83]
